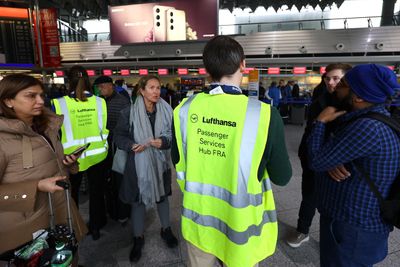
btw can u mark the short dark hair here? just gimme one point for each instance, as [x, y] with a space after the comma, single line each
[102, 79]
[222, 56]
[338, 66]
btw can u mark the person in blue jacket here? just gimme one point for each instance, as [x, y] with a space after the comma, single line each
[275, 94]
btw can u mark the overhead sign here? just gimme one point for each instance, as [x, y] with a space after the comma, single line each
[182, 71]
[59, 73]
[202, 71]
[247, 70]
[274, 70]
[12, 12]
[162, 71]
[143, 71]
[125, 72]
[107, 72]
[91, 73]
[299, 70]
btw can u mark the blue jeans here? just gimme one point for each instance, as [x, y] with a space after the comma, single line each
[342, 244]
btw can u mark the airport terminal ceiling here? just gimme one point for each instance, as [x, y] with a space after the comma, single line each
[99, 8]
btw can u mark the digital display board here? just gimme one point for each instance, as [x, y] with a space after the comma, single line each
[274, 70]
[182, 71]
[107, 72]
[162, 71]
[299, 70]
[91, 72]
[125, 72]
[59, 73]
[143, 71]
[178, 20]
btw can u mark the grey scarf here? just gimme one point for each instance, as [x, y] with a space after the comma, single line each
[152, 162]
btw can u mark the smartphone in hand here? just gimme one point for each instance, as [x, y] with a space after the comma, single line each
[80, 149]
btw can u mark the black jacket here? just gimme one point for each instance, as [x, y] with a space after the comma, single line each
[115, 103]
[316, 107]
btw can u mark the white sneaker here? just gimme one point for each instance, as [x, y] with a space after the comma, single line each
[297, 239]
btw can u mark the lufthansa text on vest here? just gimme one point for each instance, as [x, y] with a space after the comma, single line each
[219, 122]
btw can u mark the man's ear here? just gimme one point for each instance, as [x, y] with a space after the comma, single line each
[242, 65]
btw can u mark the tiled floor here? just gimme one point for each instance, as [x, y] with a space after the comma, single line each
[113, 248]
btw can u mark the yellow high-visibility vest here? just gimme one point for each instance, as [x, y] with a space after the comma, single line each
[84, 122]
[226, 211]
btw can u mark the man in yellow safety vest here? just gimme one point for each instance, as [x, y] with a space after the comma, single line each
[227, 148]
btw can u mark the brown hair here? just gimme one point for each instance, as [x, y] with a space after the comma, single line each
[338, 66]
[143, 81]
[10, 86]
[79, 82]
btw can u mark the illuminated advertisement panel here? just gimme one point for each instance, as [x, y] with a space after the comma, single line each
[179, 20]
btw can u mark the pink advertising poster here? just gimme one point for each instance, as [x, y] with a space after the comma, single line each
[179, 20]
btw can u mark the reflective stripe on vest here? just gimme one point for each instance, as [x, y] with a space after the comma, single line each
[235, 236]
[70, 142]
[183, 117]
[249, 136]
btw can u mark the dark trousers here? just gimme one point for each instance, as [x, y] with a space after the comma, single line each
[345, 245]
[75, 180]
[309, 199]
[138, 216]
[96, 179]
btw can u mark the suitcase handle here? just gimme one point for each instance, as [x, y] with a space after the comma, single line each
[63, 184]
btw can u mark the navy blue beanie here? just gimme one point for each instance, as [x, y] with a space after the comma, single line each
[373, 83]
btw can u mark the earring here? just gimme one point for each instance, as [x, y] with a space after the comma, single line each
[10, 107]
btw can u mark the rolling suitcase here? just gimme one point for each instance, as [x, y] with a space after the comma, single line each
[61, 247]
[297, 114]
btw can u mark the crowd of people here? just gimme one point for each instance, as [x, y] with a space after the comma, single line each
[224, 167]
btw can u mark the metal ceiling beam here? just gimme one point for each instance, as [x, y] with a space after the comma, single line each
[288, 61]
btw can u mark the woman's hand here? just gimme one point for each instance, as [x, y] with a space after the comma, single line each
[49, 184]
[157, 143]
[71, 159]
[137, 148]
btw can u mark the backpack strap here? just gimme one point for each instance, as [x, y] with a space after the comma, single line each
[370, 183]
[392, 123]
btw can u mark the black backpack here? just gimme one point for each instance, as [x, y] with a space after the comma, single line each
[390, 207]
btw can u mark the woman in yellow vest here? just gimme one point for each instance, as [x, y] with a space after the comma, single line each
[144, 131]
[85, 120]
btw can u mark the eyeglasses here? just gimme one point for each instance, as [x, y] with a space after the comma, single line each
[334, 78]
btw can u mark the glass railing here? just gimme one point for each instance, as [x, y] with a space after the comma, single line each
[246, 28]
[312, 24]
